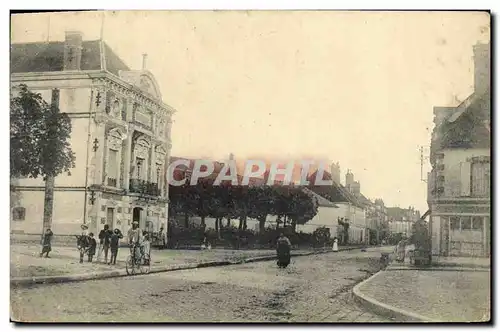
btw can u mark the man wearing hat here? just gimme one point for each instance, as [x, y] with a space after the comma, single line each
[134, 237]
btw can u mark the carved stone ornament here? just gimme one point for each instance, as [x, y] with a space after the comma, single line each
[161, 127]
[160, 155]
[115, 140]
[116, 108]
[141, 148]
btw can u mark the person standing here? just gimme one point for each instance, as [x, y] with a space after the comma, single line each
[82, 241]
[104, 238]
[134, 238]
[283, 247]
[114, 244]
[46, 243]
[92, 246]
[335, 245]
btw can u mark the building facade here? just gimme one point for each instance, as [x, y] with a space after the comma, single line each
[459, 183]
[120, 137]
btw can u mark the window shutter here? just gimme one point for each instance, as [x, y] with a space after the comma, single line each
[465, 177]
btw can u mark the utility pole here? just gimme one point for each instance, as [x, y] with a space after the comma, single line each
[423, 158]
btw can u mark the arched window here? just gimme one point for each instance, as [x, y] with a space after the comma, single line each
[18, 213]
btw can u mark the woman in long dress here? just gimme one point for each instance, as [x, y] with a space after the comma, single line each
[335, 245]
[400, 251]
[283, 247]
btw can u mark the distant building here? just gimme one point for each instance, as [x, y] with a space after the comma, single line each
[120, 137]
[459, 183]
[401, 220]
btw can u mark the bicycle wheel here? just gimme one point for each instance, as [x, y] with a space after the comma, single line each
[130, 265]
[145, 266]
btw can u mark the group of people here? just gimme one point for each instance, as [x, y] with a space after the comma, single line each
[109, 241]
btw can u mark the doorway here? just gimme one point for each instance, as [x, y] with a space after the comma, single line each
[110, 215]
[137, 216]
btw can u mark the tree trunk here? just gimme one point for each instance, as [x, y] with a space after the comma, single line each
[228, 222]
[240, 225]
[245, 223]
[217, 226]
[262, 225]
[203, 225]
[48, 205]
[294, 226]
[186, 220]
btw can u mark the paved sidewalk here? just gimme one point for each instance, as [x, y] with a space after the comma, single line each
[25, 261]
[429, 295]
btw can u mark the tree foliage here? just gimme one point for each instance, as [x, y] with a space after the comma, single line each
[39, 137]
[289, 204]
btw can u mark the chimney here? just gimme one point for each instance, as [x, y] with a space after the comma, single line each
[231, 156]
[481, 67]
[144, 59]
[349, 178]
[73, 50]
[335, 172]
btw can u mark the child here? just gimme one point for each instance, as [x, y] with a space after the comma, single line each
[46, 247]
[92, 246]
[146, 248]
[114, 243]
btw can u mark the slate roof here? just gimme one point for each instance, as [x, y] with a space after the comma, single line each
[49, 56]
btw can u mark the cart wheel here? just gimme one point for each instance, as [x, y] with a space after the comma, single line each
[129, 265]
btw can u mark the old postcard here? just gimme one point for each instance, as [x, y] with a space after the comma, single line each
[250, 166]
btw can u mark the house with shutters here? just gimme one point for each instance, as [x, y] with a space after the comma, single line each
[120, 137]
[459, 184]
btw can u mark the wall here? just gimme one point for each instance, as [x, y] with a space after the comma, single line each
[67, 213]
[326, 217]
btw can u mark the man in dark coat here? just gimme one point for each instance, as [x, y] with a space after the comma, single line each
[82, 241]
[92, 246]
[114, 244]
[104, 239]
[46, 245]
[283, 247]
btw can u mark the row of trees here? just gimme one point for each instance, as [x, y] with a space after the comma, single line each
[39, 142]
[291, 205]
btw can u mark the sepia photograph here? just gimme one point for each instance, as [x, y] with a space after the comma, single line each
[250, 166]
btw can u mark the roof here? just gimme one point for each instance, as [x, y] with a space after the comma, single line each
[320, 200]
[49, 56]
[469, 126]
[336, 193]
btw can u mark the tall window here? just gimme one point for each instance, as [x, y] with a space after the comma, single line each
[112, 168]
[158, 175]
[139, 169]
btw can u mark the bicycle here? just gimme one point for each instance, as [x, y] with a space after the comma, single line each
[142, 263]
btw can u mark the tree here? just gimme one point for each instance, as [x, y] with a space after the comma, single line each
[39, 142]
[344, 222]
[261, 204]
[301, 209]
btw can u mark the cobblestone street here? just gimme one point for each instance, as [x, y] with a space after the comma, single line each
[312, 289]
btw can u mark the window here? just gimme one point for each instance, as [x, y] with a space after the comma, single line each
[112, 167]
[18, 213]
[158, 175]
[138, 162]
[455, 223]
[477, 223]
[465, 223]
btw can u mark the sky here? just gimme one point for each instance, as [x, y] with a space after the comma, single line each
[356, 88]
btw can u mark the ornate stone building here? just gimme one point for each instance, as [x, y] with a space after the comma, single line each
[120, 137]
